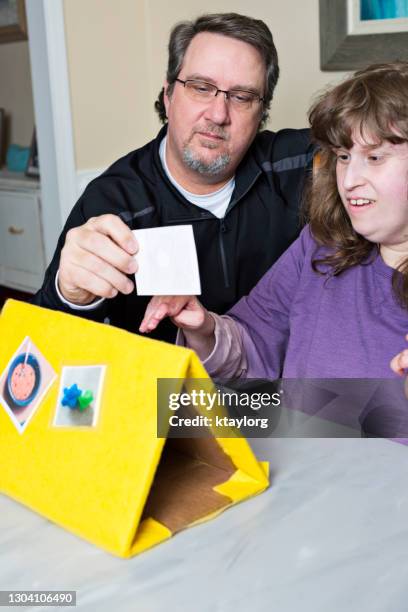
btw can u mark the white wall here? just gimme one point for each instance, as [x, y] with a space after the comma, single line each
[109, 78]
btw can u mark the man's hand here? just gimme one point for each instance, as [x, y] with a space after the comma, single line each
[95, 260]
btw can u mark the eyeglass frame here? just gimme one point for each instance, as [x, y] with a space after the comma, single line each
[227, 92]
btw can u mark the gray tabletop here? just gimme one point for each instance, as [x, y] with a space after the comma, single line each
[330, 535]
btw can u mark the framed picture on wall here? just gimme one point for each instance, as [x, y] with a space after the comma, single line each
[356, 33]
[13, 23]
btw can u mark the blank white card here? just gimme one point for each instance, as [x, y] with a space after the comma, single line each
[167, 260]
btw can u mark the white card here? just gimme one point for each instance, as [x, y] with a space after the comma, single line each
[167, 260]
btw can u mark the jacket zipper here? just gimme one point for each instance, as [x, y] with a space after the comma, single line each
[223, 230]
[234, 202]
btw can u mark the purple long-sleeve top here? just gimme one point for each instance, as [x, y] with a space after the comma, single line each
[297, 323]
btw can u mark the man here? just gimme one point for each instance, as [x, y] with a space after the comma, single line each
[208, 167]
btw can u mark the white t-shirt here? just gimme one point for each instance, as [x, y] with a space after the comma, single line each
[215, 202]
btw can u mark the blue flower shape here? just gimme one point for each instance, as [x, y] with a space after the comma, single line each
[71, 395]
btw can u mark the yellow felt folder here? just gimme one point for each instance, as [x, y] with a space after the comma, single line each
[112, 481]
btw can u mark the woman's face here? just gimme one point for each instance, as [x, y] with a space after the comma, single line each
[372, 180]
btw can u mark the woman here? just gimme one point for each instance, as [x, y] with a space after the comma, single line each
[335, 305]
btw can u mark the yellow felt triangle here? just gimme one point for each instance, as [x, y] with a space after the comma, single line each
[112, 484]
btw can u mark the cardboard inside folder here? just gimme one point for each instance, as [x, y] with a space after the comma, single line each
[182, 490]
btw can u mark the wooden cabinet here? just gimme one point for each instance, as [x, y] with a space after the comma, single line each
[22, 259]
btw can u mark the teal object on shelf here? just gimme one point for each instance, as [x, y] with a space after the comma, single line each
[17, 158]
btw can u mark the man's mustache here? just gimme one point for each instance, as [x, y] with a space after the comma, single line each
[213, 129]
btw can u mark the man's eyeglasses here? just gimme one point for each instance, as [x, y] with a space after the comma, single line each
[203, 92]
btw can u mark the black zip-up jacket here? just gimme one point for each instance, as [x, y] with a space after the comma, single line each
[261, 221]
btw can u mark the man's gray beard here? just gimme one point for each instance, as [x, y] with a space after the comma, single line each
[211, 169]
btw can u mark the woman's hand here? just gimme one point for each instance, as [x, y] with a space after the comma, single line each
[399, 364]
[188, 314]
[184, 310]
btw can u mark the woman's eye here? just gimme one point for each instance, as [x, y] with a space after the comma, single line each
[342, 157]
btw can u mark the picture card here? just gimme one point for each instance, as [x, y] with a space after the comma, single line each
[167, 261]
[79, 396]
[24, 383]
